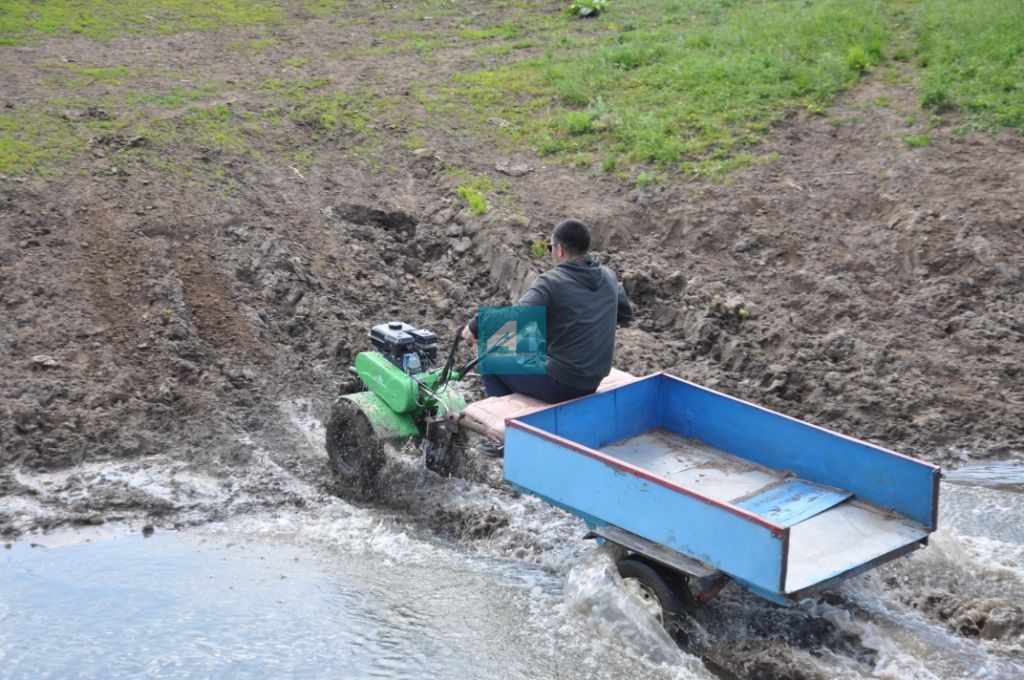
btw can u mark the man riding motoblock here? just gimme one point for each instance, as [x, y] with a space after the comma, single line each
[583, 302]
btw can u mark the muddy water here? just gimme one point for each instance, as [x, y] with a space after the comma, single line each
[337, 593]
[1003, 475]
[511, 591]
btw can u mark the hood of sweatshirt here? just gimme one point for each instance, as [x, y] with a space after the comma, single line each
[586, 271]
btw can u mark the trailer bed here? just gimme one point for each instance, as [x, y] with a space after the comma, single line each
[784, 507]
[829, 530]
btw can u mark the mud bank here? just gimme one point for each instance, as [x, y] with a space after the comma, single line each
[162, 331]
[873, 289]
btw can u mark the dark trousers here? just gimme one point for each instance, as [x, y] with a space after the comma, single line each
[536, 385]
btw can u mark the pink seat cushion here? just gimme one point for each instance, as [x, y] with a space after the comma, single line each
[492, 412]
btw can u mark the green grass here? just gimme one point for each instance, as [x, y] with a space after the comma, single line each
[334, 112]
[507, 30]
[111, 75]
[104, 19]
[216, 128]
[649, 89]
[17, 156]
[414, 141]
[644, 179]
[539, 249]
[180, 124]
[694, 85]
[678, 82]
[313, 104]
[481, 183]
[39, 139]
[473, 190]
[474, 200]
[971, 56]
[917, 141]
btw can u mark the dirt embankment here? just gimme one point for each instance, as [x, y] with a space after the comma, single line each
[860, 284]
[863, 285]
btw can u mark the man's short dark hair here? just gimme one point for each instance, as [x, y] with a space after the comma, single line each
[573, 235]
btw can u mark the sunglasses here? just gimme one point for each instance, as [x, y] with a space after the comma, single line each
[551, 246]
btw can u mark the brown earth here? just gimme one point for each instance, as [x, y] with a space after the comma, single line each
[855, 282]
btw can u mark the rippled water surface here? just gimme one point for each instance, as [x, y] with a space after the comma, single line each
[339, 591]
[1005, 476]
[301, 596]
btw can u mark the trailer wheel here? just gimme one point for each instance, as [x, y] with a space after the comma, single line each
[653, 590]
[355, 451]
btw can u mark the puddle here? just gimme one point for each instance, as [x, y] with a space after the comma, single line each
[368, 602]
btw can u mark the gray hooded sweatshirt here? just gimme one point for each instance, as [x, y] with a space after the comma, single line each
[584, 302]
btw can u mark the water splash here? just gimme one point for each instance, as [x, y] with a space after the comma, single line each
[952, 610]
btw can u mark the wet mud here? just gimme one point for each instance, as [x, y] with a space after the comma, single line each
[873, 289]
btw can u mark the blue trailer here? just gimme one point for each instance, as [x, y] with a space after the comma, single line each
[698, 488]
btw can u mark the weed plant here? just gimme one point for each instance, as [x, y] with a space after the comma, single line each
[474, 200]
[917, 141]
[538, 249]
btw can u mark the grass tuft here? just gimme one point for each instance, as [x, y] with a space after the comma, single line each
[917, 141]
[474, 200]
[538, 249]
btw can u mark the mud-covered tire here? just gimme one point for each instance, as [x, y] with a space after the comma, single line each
[657, 590]
[355, 451]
